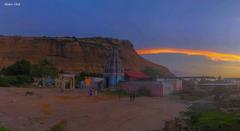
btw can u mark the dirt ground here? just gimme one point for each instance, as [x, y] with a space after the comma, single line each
[46, 107]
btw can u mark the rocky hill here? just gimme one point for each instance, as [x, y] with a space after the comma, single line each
[72, 54]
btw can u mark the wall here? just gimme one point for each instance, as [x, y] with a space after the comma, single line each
[170, 85]
[154, 87]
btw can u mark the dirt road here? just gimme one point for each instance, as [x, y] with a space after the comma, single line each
[46, 107]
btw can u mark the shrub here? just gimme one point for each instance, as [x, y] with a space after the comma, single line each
[4, 82]
[22, 72]
[4, 129]
[210, 119]
[21, 67]
[218, 121]
[24, 79]
[44, 69]
[15, 80]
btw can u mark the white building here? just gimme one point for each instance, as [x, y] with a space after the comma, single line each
[170, 85]
[235, 81]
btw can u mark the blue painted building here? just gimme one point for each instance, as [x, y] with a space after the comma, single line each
[113, 70]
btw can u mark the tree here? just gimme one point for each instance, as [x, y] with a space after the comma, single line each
[22, 67]
[44, 69]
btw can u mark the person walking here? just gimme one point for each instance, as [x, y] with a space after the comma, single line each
[131, 96]
[134, 96]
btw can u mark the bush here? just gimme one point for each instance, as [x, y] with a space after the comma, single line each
[15, 80]
[218, 121]
[21, 67]
[4, 82]
[22, 72]
[208, 118]
[44, 69]
[4, 129]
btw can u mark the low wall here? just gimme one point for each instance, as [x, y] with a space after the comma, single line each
[154, 87]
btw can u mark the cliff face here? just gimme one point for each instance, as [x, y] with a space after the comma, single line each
[71, 54]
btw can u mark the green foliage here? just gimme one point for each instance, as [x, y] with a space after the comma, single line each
[4, 82]
[22, 72]
[4, 129]
[21, 67]
[16, 74]
[15, 80]
[2, 71]
[218, 121]
[44, 69]
[211, 119]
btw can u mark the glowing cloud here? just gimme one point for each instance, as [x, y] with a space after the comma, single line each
[215, 56]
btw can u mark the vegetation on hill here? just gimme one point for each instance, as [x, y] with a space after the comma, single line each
[22, 72]
[21, 67]
[43, 69]
[153, 72]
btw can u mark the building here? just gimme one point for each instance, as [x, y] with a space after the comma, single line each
[235, 81]
[113, 70]
[170, 85]
[66, 81]
[153, 87]
[135, 76]
[138, 82]
[215, 84]
[198, 78]
[93, 82]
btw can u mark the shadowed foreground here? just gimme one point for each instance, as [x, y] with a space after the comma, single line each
[46, 107]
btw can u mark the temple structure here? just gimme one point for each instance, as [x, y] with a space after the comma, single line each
[113, 70]
[66, 81]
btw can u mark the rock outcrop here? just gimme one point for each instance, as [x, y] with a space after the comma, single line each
[72, 54]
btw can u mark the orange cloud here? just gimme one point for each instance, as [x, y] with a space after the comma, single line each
[215, 56]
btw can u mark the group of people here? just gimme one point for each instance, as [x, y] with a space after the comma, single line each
[132, 96]
[92, 92]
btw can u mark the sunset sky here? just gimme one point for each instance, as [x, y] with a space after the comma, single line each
[190, 37]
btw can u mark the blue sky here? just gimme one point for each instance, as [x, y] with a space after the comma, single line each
[192, 24]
